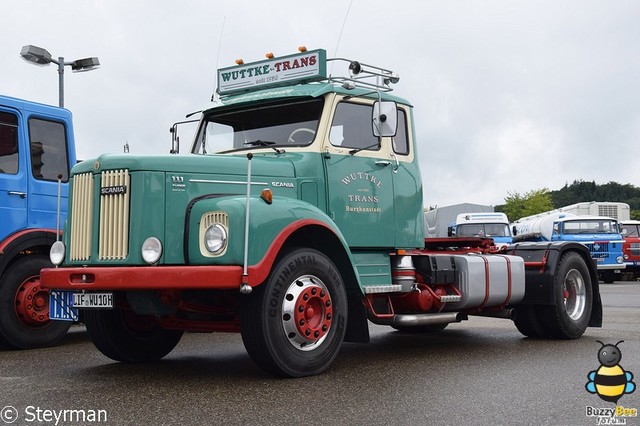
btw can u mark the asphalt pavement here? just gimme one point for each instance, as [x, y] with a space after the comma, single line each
[478, 372]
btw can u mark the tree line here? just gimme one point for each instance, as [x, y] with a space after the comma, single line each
[536, 201]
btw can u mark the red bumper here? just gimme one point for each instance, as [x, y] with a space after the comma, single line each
[142, 278]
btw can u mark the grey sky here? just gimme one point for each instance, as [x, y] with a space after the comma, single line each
[509, 96]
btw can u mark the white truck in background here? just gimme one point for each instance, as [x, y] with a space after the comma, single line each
[491, 225]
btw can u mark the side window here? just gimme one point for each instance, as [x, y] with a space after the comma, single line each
[400, 140]
[8, 143]
[352, 128]
[48, 143]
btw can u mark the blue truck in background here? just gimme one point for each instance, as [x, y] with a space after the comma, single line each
[37, 150]
[600, 234]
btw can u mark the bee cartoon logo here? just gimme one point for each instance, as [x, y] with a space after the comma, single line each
[610, 381]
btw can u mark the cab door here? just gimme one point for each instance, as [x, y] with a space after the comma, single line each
[359, 177]
[49, 141]
[13, 177]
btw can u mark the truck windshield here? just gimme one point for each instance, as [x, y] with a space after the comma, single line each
[483, 230]
[630, 230]
[600, 226]
[281, 124]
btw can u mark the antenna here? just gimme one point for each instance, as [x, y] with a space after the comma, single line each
[214, 97]
[344, 22]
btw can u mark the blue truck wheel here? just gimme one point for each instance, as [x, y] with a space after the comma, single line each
[24, 307]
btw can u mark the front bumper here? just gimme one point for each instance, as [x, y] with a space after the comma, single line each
[142, 278]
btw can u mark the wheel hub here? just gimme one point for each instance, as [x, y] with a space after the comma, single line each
[575, 294]
[31, 303]
[307, 312]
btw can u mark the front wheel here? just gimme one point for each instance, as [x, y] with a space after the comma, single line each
[122, 335]
[24, 306]
[293, 324]
[569, 316]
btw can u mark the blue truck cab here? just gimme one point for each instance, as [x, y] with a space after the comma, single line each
[37, 150]
[600, 234]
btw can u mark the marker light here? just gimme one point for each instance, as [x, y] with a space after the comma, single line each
[151, 250]
[267, 195]
[239, 62]
[56, 253]
[302, 49]
[269, 55]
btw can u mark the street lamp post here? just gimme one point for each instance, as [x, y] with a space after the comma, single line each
[39, 56]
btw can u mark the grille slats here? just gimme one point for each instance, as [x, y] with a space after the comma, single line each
[81, 217]
[113, 226]
[114, 215]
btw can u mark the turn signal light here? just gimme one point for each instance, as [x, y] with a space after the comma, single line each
[267, 195]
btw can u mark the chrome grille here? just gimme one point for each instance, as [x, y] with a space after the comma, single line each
[598, 250]
[114, 215]
[81, 217]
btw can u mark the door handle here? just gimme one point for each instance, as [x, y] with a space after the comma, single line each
[18, 193]
[383, 163]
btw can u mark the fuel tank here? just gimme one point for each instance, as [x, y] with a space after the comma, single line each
[482, 280]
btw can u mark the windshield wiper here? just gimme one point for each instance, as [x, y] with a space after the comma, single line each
[260, 142]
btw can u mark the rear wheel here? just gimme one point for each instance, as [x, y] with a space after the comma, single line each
[24, 306]
[122, 335]
[568, 317]
[527, 322]
[294, 323]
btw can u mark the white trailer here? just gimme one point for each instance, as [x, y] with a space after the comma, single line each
[620, 211]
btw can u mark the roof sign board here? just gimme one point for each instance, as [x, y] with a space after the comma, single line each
[286, 70]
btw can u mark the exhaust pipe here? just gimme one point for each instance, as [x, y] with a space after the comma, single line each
[413, 320]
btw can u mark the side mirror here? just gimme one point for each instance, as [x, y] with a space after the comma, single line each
[385, 118]
[514, 230]
[451, 232]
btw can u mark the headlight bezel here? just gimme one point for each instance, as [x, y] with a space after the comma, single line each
[214, 233]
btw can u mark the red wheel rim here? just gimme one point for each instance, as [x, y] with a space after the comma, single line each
[307, 312]
[32, 303]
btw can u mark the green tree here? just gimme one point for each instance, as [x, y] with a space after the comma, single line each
[517, 206]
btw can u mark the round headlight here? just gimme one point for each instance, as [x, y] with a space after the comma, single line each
[619, 259]
[56, 254]
[215, 238]
[151, 250]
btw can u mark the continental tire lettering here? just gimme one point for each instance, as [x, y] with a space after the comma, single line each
[275, 298]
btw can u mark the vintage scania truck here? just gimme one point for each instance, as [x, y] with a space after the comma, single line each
[296, 218]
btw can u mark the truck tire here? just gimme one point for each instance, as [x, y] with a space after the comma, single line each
[124, 336]
[568, 317]
[293, 324]
[526, 321]
[24, 306]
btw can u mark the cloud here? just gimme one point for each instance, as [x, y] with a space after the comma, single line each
[507, 95]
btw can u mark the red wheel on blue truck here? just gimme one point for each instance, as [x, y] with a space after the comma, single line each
[294, 323]
[24, 306]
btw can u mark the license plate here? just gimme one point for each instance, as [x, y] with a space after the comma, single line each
[93, 300]
[61, 306]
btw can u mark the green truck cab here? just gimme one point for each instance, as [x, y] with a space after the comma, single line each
[296, 218]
